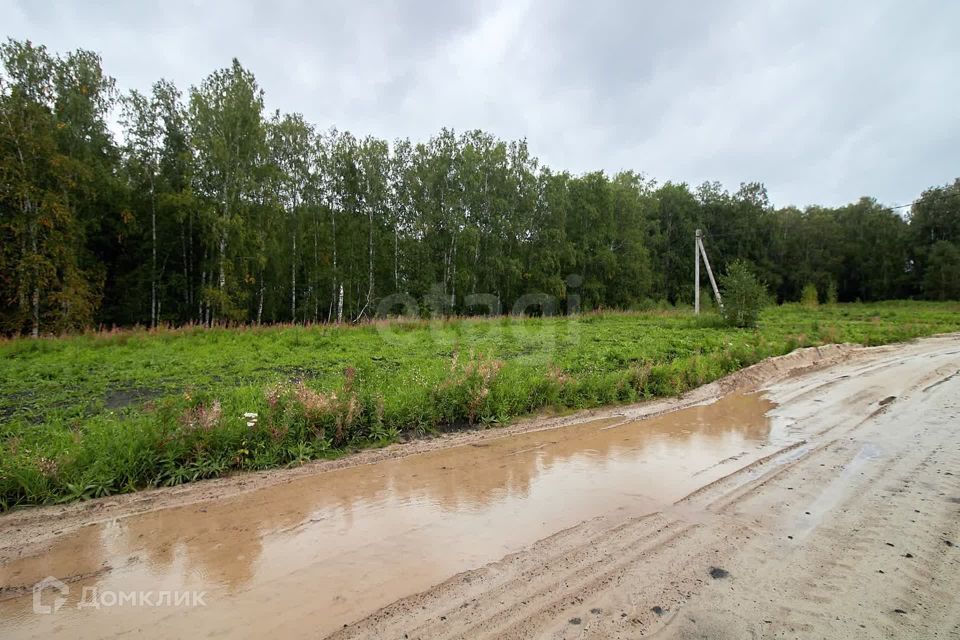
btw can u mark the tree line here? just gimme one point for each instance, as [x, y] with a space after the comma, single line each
[207, 209]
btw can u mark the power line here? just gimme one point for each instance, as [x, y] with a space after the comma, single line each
[939, 196]
[742, 229]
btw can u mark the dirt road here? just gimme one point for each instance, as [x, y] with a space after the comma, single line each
[825, 506]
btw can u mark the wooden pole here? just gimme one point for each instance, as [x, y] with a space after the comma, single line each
[713, 282]
[696, 273]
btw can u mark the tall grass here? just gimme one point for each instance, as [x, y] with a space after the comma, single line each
[107, 413]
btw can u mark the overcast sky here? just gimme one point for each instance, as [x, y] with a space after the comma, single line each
[821, 101]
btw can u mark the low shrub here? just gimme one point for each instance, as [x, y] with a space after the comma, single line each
[744, 296]
[809, 296]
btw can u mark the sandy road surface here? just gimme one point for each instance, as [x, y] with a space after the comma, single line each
[851, 534]
[834, 516]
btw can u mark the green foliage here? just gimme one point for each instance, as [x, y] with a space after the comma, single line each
[832, 295]
[54, 170]
[744, 296]
[942, 278]
[212, 212]
[209, 210]
[934, 218]
[809, 296]
[105, 413]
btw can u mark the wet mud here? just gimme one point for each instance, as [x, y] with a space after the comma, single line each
[329, 549]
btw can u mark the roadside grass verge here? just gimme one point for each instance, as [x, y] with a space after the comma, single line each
[105, 413]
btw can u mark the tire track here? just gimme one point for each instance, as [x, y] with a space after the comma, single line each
[805, 534]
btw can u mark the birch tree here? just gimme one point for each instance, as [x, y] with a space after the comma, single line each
[51, 138]
[291, 143]
[142, 127]
[227, 135]
[176, 200]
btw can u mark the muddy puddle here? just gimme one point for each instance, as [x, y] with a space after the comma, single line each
[306, 557]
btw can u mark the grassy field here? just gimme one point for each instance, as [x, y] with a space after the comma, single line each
[104, 413]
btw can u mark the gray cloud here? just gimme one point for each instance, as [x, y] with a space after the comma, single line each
[821, 101]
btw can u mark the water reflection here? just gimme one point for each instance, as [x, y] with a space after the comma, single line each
[333, 547]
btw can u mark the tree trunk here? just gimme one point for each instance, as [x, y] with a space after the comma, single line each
[453, 274]
[260, 304]
[293, 281]
[337, 302]
[186, 271]
[35, 312]
[35, 292]
[203, 289]
[369, 301]
[222, 279]
[315, 279]
[154, 310]
[191, 283]
[340, 305]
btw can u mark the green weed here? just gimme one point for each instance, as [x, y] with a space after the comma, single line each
[100, 414]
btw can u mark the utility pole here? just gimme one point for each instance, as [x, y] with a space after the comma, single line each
[700, 251]
[696, 273]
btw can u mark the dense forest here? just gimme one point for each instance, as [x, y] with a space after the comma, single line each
[208, 209]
